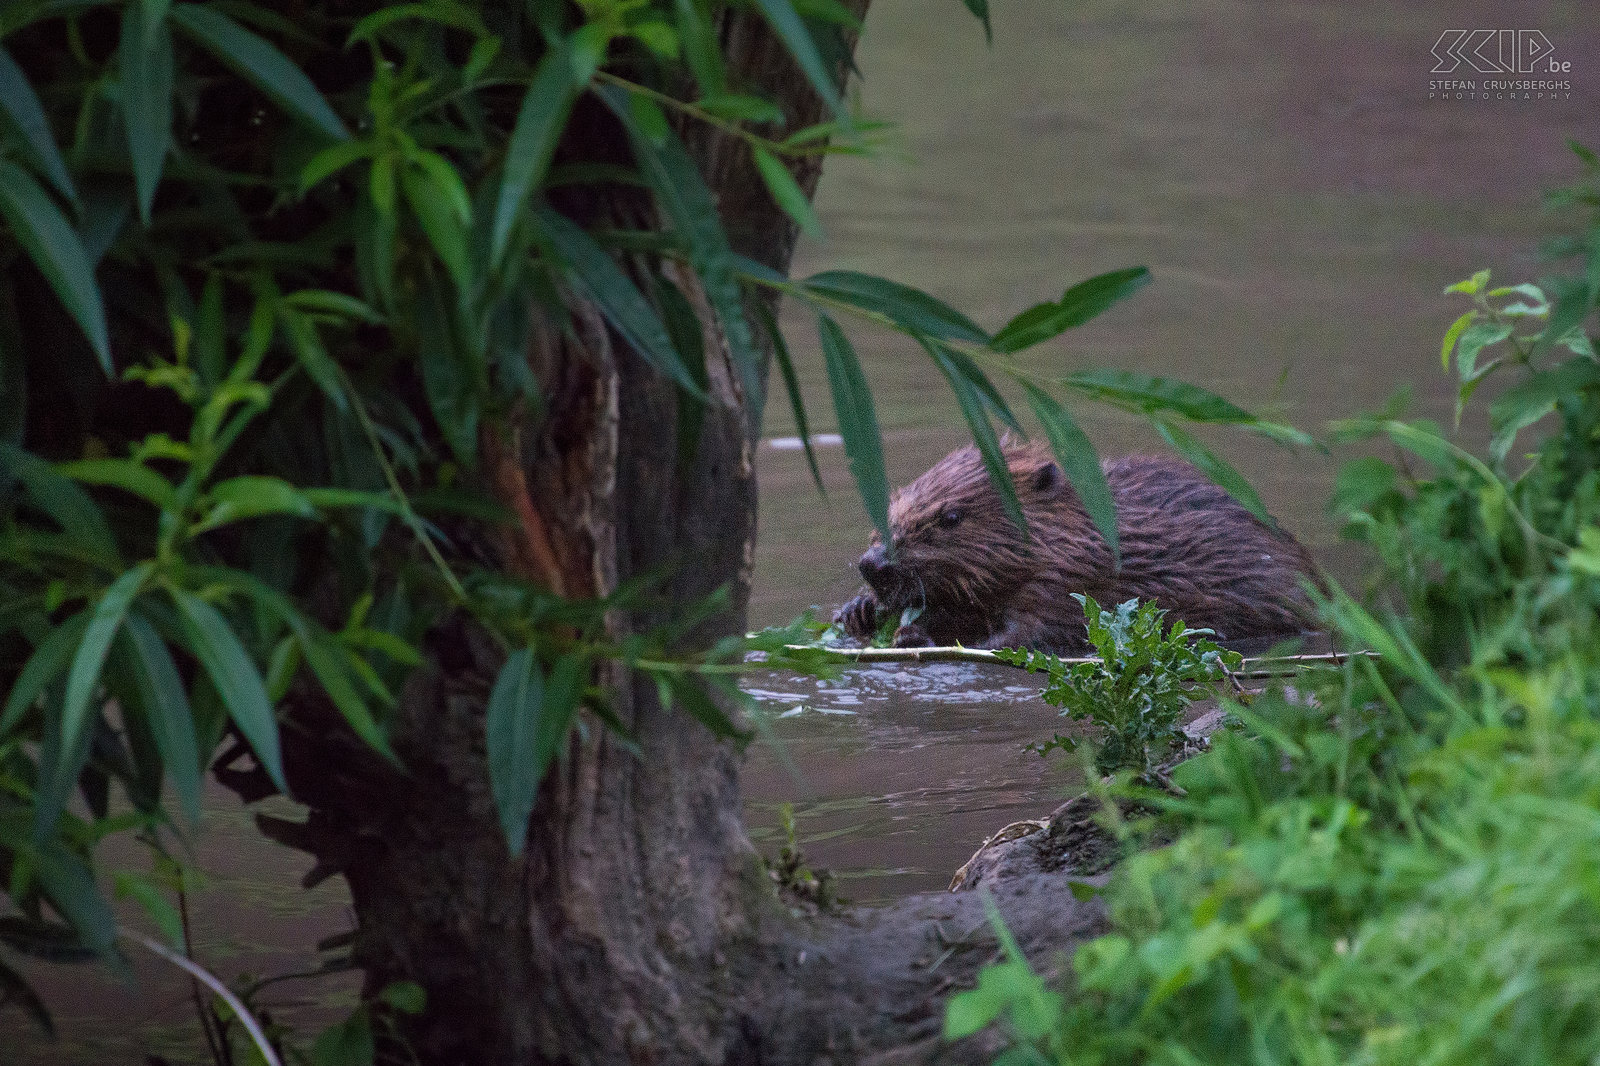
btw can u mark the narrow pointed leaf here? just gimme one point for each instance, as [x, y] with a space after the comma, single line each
[533, 141]
[124, 474]
[21, 105]
[55, 248]
[1146, 395]
[71, 888]
[1214, 468]
[684, 198]
[515, 769]
[791, 384]
[431, 203]
[786, 193]
[791, 30]
[48, 662]
[68, 505]
[1077, 305]
[84, 676]
[235, 678]
[1079, 462]
[858, 422]
[969, 370]
[145, 57]
[980, 11]
[971, 402]
[166, 709]
[619, 300]
[912, 309]
[325, 659]
[261, 64]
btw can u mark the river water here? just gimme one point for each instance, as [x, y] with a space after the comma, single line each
[1300, 202]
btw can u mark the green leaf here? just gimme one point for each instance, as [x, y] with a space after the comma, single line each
[21, 105]
[858, 422]
[1077, 305]
[1214, 468]
[1472, 286]
[450, 384]
[1150, 396]
[330, 161]
[261, 64]
[69, 506]
[84, 676]
[431, 203]
[155, 904]
[515, 769]
[980, 11]
[786, 193]
[1452, 335]
[407, 997]
[55, 248]
[251, 497]
[145, 58]
[533, 141]
[1569, 308]
[235, 678]
[69, 884]
[624, 306]
[970, 399]
[337, 304]
[326, 660]
[313, 354]
[48, 662]
[789, 27]
[1474, 339]
[701, 49]
[911, 309]
[791, 384]
[1530, 400]
[990, 396]
[684, 198]
[166, 709]
[346, 1043]
[124, 474]
[1079, 462]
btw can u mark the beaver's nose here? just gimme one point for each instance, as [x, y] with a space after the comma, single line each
[873, 563]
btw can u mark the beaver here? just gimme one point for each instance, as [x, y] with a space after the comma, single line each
[1186, 544]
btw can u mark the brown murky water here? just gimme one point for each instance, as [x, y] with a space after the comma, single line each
[1300, 202]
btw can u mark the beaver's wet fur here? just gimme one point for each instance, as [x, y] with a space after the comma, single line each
[1186, 544]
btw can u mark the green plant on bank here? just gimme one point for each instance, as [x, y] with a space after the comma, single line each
[1137, 689]
[267, 293]
[790, 872]
[1406, 868]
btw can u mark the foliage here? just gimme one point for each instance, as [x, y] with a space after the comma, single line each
[790, 871]
[1401, 868]
[267, 292]
[1137, 688]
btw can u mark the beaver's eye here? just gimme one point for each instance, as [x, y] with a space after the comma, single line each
[950, 519]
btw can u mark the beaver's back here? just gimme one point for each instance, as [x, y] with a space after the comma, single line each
[1189, 545]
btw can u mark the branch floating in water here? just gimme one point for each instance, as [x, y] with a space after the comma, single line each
[1258, 667]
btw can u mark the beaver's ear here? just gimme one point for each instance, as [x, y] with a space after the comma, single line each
[1048, 479]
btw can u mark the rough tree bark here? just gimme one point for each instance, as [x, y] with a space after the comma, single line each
[640, 927]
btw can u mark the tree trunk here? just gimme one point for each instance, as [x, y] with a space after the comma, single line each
[640, 927]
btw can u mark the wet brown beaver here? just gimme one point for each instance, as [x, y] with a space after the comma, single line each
[1185, 543]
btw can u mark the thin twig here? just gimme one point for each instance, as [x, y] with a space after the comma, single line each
[210, 980]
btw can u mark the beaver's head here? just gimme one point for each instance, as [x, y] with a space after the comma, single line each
[953, 544]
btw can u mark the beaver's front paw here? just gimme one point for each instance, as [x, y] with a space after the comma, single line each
[912, 635]
[859, 617]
